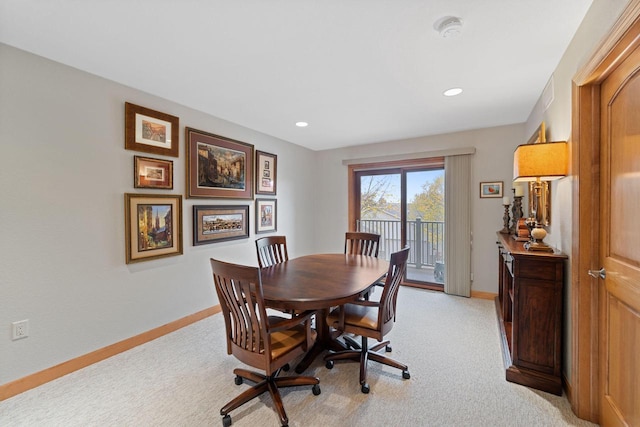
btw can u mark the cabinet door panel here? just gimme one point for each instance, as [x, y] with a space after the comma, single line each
[537, 325]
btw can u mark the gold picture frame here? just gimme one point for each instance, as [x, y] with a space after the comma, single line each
[153, 226]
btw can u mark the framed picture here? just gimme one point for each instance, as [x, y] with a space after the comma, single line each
[266, 169]
[153, 226]
[219, 223]
[218, 167]
[152, 173]
[266, 215]
[491, 189]
[150, 131]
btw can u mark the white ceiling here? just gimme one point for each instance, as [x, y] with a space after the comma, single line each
[358, 71]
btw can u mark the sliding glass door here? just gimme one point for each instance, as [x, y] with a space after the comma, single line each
[406, 207]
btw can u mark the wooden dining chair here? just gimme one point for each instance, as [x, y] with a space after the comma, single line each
[371, 319]
[360, 243]
[271, 250]
[268, 343]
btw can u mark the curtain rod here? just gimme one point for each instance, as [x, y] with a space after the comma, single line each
[412, 156]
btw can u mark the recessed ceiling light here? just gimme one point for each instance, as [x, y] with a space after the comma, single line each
[453, 91]
[302, 124]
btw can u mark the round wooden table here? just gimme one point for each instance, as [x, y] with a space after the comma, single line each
[319, 282]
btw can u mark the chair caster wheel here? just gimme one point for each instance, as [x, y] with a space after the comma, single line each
[388, 349]
[365, 388]
[238, 381]
[226, 420]
[329, 364]
[406, 375]
[286, 367]
[316, 390]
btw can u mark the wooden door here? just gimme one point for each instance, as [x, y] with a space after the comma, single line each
[619, 322]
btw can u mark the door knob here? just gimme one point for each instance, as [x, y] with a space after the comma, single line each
[602, 273]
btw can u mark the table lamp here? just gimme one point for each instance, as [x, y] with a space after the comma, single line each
[543, 161]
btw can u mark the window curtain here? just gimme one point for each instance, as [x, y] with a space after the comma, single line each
[457, 235]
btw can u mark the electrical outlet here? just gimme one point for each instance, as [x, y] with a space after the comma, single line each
[20, 329]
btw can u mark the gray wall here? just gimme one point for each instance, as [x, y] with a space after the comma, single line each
[64, 170]
[63, 175]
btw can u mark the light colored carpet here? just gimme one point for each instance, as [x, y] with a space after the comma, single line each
[451, 345]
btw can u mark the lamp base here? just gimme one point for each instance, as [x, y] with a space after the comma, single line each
[537, 246]
[537, 236]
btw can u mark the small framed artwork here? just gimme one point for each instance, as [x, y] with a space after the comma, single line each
[218, 167]
[266, 215]
[266, 169]
[152, 173]
[150, 131]
[219, 223]
[153, 226]
[491, 189]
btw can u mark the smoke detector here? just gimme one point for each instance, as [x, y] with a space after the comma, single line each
[449, 27]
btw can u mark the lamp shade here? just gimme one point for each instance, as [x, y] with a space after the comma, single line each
[544, 160]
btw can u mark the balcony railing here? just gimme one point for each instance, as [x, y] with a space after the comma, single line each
[425, 238]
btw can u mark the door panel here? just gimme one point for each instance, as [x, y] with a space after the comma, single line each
[620, 245]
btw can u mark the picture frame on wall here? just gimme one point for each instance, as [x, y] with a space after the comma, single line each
[150, 131]
[266, 215]
[152, 173]
[266, 173]
[491, 189]
[153, 226]
[213, 224]
[218, 167]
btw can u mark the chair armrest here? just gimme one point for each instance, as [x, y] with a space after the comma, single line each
[290, 323]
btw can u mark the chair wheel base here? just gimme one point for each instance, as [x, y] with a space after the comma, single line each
[316, 390]
[226, 420]
[388, 349]
[329, 364]
[238, 380]
[406, 375]
[365, 388]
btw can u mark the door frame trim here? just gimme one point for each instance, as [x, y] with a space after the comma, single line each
[621, 40]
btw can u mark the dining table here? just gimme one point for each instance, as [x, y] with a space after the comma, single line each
[318, 282]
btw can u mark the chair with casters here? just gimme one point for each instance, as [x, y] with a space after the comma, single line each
[271, 250]
[371, 319]
[267, 343]
[359, 243]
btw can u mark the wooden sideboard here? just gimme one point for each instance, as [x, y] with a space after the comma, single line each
[529, 309]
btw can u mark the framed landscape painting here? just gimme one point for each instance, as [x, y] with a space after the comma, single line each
[150, 131]
[219, 223]
[218, 167]
[153, 226]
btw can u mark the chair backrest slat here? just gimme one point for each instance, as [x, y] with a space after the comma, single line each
[359, 243]
[239, 290]
[271, 250]
[397, 268]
